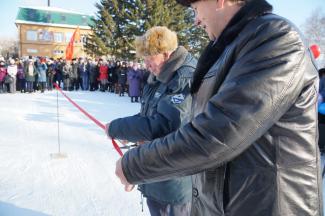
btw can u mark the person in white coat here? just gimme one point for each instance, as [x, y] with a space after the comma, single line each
[12, 71]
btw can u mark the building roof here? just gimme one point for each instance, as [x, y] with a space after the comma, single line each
[51, 16]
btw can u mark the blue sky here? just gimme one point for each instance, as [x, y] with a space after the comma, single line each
[295, 10]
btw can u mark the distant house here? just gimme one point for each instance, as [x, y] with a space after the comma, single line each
[46, 31]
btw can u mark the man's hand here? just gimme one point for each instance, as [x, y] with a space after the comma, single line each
[140, 142]
[124, 142]
[119, 173]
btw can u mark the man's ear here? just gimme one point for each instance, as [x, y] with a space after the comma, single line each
[220, 4]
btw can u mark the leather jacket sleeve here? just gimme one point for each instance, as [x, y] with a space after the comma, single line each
[167, 118]
[263, 81]
[139, 128]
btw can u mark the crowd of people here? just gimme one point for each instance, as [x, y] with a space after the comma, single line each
[241, 121]
[39, 74]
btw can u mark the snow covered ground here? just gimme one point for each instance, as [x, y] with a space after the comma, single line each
[32, 183]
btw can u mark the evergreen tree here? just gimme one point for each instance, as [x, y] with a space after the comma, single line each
[195, 38]
[118, 22]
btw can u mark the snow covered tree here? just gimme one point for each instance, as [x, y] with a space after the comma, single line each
[314, 31]
[118, 22]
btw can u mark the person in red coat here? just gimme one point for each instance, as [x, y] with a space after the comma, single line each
[103, 75]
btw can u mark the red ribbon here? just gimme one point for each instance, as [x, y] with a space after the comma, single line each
[117, 148]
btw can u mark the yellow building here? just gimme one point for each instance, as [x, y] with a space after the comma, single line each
[46, 31]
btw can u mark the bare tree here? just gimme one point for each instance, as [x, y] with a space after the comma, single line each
[8, 47]
[314, 30]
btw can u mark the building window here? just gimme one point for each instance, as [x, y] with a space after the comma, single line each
[83, 39]
[58, 37]
[31, 35]
[32, 50]
[44, 35]
[68, 36]
[58, 52]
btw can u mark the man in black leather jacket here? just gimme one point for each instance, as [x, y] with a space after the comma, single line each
[164, 108]
[251, 144]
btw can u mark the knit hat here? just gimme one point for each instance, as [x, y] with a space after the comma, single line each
[156, 40]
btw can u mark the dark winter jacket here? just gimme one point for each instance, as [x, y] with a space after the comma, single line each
[82, 70]
[322, 86]
[164, 108]
[252, 142]
[122, 75]
[59, 71]
[75, 71]
[20, 73]
[93, 72]
[112, 74]
[30, 75]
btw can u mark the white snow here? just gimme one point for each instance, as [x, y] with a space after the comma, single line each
[32, 183]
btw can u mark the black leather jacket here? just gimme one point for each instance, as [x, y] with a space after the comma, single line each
[252, 142]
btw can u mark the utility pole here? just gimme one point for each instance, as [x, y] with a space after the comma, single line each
[48, 3]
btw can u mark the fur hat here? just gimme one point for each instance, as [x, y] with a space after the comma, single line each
[156, 40]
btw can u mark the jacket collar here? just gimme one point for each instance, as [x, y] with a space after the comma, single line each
[251, 10]
[174, 62]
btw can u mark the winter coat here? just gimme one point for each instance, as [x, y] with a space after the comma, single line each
[122, 75]
[93, 73]
[134, 80]
[163, 110]
[115, 74]
[75, 73]
[67, 71]
[3, 73]
[50, 71]
[20, 73]
[82, 69]
[112, 76]
[12, 70]
[30, 75]
[59, 71]
[103, 72]
[41, 70]
[252, 142]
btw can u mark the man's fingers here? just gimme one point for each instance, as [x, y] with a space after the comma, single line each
[128, 187]
[124, 142]
[140, 142]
